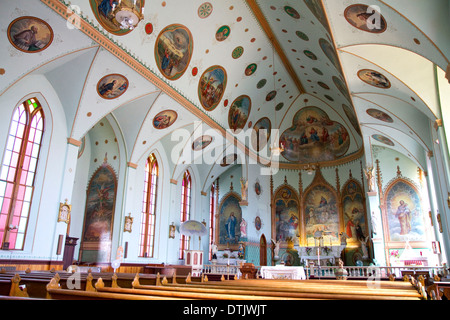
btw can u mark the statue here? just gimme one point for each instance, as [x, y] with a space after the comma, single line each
[370, 178]
[243, 226]
[244, 189]
[363, 242]
[214, 251]
[276, 249]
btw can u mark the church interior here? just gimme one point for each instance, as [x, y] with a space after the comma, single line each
[231, 145]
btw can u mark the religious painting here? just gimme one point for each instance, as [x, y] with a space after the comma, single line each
[258, 223]
[354, 212]
[104, 12]
[379, 115]
[201, 142]
[30, 34]
[310, 54]
[271, 95]
[261, 133]
[302, 35]
[316, 8]
[292, 12]
[258, 189]
[352, 118]
[64, 212]
[329, 50]
[314, 137]
[321, 214]
[286, 218]
[250, 69]
[342, 87]
[279, 106]
[99, 214]
[383, 139]
[228, 160]
[374, 78]
[223, 33]
[211, 87]
[365, 18]
[164, 119]
[230, 218]
[261, 83]
[112, 86]
[173, 51]
[404, 216]
[239, 113]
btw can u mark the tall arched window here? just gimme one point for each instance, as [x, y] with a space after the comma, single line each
[212, 212]
[185, 210]
[18, 171]
[147, 240]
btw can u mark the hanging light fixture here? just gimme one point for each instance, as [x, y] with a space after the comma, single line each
[127, 14]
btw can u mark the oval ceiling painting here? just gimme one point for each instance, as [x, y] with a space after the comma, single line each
[229, 159]
[261, 133]
[365, 18]
[374, 78]
[352, 118]
[112, 86]
[30, 34]
[201, 142]
[314, 137]
[173, 51]
[104, 13]
[211, 87]
[164, 119]
[383, 139]
[239, 113]
[292, 12]
[222, 33]
[380, 115]
[329, 50]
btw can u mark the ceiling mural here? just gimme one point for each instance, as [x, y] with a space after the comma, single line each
[237, 66]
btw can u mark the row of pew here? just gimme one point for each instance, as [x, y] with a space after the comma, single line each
[105, 286]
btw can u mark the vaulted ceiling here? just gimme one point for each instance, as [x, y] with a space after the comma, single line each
[296, 66]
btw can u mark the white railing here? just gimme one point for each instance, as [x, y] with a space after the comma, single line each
[373, 272]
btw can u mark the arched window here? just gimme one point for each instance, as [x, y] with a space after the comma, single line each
[185, 210]
[212, 212]
[18, 171]
[147, 240]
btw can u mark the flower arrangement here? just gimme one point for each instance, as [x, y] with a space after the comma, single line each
[395, 254]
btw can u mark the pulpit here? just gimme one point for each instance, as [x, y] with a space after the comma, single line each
[69, 250]
[248, 271]
[194, 259]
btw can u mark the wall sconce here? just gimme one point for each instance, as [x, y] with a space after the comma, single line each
[172, 231]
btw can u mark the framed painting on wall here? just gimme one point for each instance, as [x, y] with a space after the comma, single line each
[229, 221]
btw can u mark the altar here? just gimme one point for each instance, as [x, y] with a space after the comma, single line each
[283, 272]
[322, 255]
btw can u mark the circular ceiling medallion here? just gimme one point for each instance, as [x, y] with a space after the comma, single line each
[374, 78]
[102, 10]
[310, 55]
[222, 33]
[173, 51]
[261, 83]
[271, 95]
[112, 86]
[149, 28]
[379, 115]
[365, 18]
[237, 52]
[251, 69]
[239, 113]
[292, 12]
[302, 35]
[279, 106]
[261, 133]
[383, 139]
[30, 34]
[229, 159]
[205, 10]
[164, 119]
[201, 142]
[211, 87]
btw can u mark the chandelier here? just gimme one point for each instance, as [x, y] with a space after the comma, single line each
[127, 14]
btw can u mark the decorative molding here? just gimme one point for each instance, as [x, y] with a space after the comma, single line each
[132, 165]
[74, 142]
[173, 181]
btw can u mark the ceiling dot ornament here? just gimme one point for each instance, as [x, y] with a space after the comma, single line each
[194, 71]
[365, 18]
[374, 78]
[205, 10]
[237, 52]
[211, 87]
[292, 12]
[149, 28]
[173, 51]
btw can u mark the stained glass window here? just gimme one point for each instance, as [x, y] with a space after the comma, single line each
[185, 210]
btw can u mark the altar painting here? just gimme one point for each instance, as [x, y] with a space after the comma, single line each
[404, 212]
[99, 214]
[314, 137]
[321, 214]
[230, 218]
[287, 215]
[355, 222]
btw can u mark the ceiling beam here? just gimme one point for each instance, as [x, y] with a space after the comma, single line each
[276, 45]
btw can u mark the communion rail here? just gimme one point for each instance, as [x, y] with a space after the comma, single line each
[372, 272]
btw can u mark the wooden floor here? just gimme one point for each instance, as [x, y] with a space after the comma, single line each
[108, 286]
